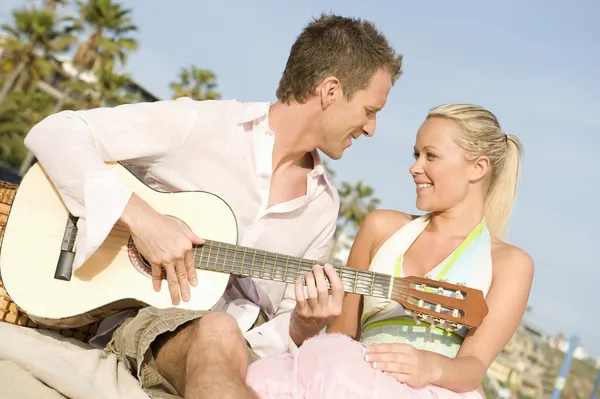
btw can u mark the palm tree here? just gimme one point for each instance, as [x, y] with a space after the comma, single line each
[111, 25]
[34, 36]
[108, 42]
[20, 111]
[356, 203]
[196, 83]
[110, 87]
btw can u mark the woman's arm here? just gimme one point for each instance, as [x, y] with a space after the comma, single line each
[507, 299]
[377, 227]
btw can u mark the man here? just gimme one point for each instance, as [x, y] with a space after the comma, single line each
[262, 160]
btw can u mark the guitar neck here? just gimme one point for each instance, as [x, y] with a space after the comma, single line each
[249, 262]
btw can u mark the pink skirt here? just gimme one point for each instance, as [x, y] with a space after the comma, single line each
[332, 366]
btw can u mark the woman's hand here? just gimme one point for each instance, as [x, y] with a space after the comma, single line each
[405, 363]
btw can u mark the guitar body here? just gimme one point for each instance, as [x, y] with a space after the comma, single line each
[114, 277]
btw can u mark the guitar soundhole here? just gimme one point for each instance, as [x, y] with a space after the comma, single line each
[139, 262]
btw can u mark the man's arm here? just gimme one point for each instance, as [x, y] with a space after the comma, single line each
[72, 147]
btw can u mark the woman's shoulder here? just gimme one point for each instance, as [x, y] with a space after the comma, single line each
[381, 224]
[508, 258]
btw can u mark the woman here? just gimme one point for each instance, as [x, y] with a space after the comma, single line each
[466, 173]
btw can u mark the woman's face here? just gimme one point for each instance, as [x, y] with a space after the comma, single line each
[441, 172]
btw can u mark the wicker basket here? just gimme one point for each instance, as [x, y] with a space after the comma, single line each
[9, 311]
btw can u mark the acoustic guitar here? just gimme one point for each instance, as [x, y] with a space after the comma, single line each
[38, 248]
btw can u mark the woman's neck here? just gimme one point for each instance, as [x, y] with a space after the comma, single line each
[459, 220]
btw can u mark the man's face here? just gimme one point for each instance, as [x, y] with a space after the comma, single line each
[345, 121]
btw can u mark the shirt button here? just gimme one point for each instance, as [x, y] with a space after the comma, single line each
[269, 133]
[264, 175]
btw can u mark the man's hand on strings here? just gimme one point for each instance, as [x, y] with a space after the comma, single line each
[319, 306]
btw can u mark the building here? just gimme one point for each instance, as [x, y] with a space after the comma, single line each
[520, 366]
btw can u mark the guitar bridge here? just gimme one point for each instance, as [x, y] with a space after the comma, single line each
[64, 266]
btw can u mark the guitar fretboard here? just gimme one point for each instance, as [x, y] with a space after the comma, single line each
[250, 262]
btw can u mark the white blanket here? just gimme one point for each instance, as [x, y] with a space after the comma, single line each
[45, 365]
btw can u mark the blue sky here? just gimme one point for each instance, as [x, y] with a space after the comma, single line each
[533, 63]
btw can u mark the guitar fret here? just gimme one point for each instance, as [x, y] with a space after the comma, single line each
[274, 266]
[217, 256]
[287, 259]
[233, 262]
[243, 259]
[252, 264]
[209, 251]
[225, 258]
[262, 269]
[372, 283]
[196, 253]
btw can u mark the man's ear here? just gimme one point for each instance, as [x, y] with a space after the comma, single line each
[480, 168]
[330, 90]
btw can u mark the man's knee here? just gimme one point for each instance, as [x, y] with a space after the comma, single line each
[219, 329]
[220, 333]
[218, 325]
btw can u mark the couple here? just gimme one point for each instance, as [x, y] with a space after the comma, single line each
[268, 339]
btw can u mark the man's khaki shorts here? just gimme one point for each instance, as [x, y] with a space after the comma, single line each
[131, 343]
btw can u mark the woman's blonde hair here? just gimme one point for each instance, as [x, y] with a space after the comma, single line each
[479, 134]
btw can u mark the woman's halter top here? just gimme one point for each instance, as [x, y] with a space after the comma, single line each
[386, 321]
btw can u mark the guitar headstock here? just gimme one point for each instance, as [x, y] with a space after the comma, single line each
[441, 301]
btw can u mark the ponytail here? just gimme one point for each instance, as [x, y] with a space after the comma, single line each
[502, 193]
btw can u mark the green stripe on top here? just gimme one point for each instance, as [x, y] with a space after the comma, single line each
[398, 266]
[474, 234]
[398, 272]
[409, 322]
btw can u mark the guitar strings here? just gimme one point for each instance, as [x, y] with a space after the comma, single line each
[364, 276]
[361, 285]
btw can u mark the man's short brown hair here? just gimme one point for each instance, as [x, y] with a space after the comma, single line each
[350, 49]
